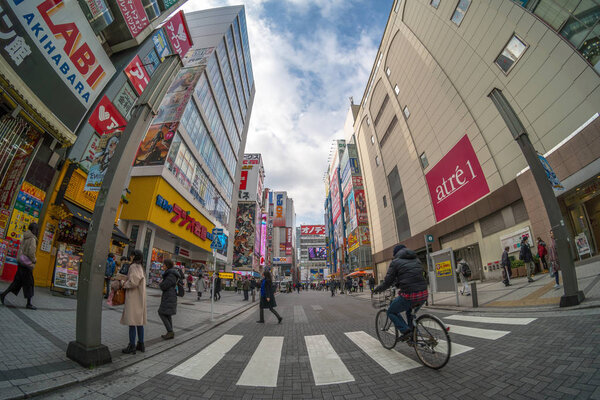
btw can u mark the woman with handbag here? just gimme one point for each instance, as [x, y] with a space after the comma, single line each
[267, 298]
[25, 264]
[168, 299]
[134, 312]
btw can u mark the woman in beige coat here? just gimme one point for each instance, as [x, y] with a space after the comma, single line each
[134, 312]
[25, 264]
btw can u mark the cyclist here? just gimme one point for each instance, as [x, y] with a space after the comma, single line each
[405, 272]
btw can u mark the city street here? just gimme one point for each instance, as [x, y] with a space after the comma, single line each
[326, 347]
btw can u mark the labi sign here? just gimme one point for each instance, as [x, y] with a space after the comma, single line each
[456, 181]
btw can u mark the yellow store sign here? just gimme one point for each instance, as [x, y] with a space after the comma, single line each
[443, 268]
[154, 200]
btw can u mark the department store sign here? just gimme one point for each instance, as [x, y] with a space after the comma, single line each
[456, 181]
[51, 46]
[182, 218]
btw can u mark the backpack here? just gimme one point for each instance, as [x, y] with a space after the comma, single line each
[179, 287]
[466, 271]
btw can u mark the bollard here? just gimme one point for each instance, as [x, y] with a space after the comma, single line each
[474, 294]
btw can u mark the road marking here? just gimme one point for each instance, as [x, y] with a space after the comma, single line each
[390, 360]
[326, 365]
[263, 367]
[475, 332]
[200, 364]
[317, 308]
[299, 315]
[456, 348]
[492, 320]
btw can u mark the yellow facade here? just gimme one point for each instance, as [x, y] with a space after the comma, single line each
[143, 206]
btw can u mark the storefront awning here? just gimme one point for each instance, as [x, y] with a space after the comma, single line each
[84, 218]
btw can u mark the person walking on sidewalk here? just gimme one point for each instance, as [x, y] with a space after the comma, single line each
[371, 284]
[190, 280]
[361, 283]
[200, 285]
[554, 259]
[217, 288]
[267, 298]
[109, 271]
[542, 252]
[332, 287]
[464, 273]
[526, 256]
[506, 270]
[134, 311]
[246, 288]
[168, 299]
[25, 264]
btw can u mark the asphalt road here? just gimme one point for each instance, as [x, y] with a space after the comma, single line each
[324, 349]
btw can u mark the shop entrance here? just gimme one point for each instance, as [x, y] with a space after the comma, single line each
[472, 256]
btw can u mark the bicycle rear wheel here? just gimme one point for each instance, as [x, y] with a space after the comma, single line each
[386, 330]
[431, 341]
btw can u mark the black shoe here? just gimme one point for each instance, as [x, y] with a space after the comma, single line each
[280, 319]
[405, 336]
[141, 347]
[31, 307]
[130, 349]
[168, 335]
[260, 322]
[2, 296]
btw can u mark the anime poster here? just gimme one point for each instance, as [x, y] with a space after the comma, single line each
[154, 148]
[243, 245]
[361, 207]
[174, 103]
[108, 145]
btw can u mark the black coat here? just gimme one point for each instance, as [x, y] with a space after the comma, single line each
[405, 272]
[269, 293]
[525, 253]
[217, 284]
[168, 300]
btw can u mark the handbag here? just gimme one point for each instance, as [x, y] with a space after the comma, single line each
[118, 297]
[24, 261]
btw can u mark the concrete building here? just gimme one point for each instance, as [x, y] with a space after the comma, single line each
[281, 237]
[312, 257]
[437, 157]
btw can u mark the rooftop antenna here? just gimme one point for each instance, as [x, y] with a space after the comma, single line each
[351, 100]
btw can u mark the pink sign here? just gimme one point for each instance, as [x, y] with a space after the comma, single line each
[134, 15]
[334, 188]
[178, 34]
[456, 181]
[137, 74]
[106, 118]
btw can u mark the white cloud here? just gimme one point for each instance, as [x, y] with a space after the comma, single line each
[302, 87]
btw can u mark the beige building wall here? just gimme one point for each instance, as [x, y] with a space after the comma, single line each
[444, 73]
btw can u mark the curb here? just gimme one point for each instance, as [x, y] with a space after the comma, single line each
[120, 364]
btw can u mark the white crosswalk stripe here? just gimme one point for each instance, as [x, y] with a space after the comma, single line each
[317, 307]
[490, 334]
[263, 367]
[492, 320]
[326, 365]
[299, 315]
[390, 360]
[199, 365]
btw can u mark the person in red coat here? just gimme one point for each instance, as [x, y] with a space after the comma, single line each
[542, 252]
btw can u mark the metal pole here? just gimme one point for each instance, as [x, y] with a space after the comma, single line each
[214, 290]
[87, 348]
[572, 295]
[431, 277]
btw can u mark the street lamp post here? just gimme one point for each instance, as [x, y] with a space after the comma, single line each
[87, 348]
[572, 295]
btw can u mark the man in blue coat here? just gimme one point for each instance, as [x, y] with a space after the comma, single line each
[109, 272]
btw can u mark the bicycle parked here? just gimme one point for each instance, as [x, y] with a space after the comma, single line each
[429, 337]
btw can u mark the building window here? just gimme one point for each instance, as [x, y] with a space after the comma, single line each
[396, 90]
[384, 201]
[377, 160]
[460, 11]
[435, 3]
[513, 50]
[424, 161]
[372, 139]
[406, 112]
[388, 71]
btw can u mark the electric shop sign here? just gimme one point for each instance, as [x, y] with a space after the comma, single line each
[52, 48]
[456, 181]
[182, 218]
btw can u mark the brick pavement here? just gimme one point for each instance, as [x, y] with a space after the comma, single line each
[557, 356]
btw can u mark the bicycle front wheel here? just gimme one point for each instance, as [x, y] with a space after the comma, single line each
[431, 341]
[386, 330]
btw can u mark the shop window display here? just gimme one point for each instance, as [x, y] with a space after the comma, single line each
[155, 271]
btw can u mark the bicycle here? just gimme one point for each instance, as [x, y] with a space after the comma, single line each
[430, 337]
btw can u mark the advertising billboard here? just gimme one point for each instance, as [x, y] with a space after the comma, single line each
[361, 207]
[279, 211]
[137, 74]
[352, 220]
[312, 229]
[174, 103]
[336, 207]
[105, 118]
[134, 15]
[263, 239]
[51, 46]
[250, 178]
[456, 181]
[108, 145]
[178, 34]
[288, 241]
[317, 253]
[282, 260]
[243, 245]
[154, 148]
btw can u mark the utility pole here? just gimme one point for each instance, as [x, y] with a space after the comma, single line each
[572, 295]
[87, 348]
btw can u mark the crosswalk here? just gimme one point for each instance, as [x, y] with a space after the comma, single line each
[327, 366]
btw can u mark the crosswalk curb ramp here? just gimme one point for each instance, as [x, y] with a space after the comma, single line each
[262, 370]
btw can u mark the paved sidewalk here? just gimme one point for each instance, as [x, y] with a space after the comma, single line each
[34, 343]
[493, 295]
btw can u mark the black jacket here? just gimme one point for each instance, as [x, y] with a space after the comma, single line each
[217, 284]
[168, 300]
[405, 272]
[268, 293]
[525, 253]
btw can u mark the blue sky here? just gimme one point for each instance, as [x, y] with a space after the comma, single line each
[309, 57]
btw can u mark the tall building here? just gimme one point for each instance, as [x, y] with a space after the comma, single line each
[281, 237]
[313, 252]
[436, 155]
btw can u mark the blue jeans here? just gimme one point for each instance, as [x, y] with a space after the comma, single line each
[398, 305]
[140, 334]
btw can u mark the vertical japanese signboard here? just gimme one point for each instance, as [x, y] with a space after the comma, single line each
[336, 208]
[134, 15]
[137, 74]
[279, 211]
[178, 34]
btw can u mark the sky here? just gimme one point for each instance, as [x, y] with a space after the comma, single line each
[308, 58]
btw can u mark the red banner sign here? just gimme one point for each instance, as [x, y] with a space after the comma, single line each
[456, 181]
[137, 74]
[106, 118]
[312, 229]
[178, 34]
[134, 15]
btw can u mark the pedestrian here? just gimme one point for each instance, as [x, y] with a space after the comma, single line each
[168, 299]
[109, 271]
[246, 288]
[253, 289]
[298, 287]
[200, 285]
[134, 311]
[464, 272]
[526, 256]
[542, 252]
[332, 287]
[190, 280]
[554, 260]
[354, 285]
[506, 270]
[371, 283]
[239, 286]
[25, 265]
[360, 284]
[267, 298]
[217, 288]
